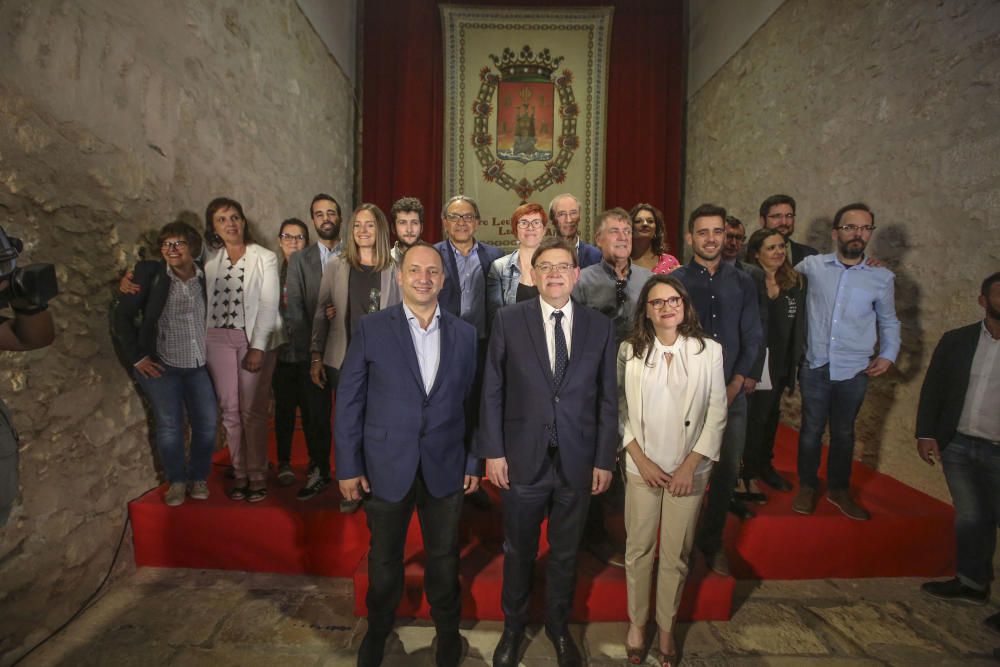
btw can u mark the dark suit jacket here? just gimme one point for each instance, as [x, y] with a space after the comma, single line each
[588, 255]
[943, 392]
[450, 297]
[800, 251]
[302, 288]
[387, 425]
[520, 404]
[139, 341]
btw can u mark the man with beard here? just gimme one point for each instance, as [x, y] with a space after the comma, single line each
[564, 212]
[305, 270]
[726, 300]
[778, 212]
[958, 424]
[407, 216]
[847, 303]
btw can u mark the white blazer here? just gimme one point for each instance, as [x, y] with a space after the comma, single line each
[704, 399]
[260, 293]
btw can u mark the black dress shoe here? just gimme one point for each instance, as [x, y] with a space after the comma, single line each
[567, 654]
[448, 652]
[741, 510]
[775, 481]
[506, 652]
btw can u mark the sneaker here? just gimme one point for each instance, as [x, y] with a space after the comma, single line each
[175, 494]
[805, 500]
[286, 477]
[954, 589]
[199, 490]
[314, 485]
[842, 500]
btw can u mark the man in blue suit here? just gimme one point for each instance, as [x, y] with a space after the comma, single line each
[401, 436]
[549, 430]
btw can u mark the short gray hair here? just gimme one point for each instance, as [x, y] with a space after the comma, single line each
[617, 212]
[457, 198]
[552, 204]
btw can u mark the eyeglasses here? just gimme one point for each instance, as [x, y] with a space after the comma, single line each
[736, 237]
[660, 304]
[850, 229]
[173, 245]
[562, 215]
[780, 216]
[529, 224]
[546, 268]
[291, 237]
[464, 217]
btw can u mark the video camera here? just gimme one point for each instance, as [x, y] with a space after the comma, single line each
[36, 283]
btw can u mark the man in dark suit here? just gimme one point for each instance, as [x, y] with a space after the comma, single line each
[466, 263]
[778, 212]
[402, 437]
[958, 424]
[565, 212]
[305, 271]
[549, 431]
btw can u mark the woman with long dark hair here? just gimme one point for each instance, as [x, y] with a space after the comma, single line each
[786, 327]
[242, 281]
[649, 247]
[672, 402]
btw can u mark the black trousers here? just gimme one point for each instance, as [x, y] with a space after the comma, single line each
[388, 523]
[319, 428]
[290, 383]
[763, 415]
[525, 506]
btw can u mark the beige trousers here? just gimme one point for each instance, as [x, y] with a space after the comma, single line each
[648, 511]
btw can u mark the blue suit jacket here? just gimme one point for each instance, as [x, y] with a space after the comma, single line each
[450, 297]
[387, 425]
[588, 255]
[520, 402]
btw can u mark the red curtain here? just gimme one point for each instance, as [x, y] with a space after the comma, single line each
[403, 116]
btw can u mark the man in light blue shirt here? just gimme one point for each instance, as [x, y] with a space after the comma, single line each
[850, 305]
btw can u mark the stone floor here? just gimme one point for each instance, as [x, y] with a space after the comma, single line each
[192, 617]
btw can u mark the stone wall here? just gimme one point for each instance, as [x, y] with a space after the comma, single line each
[893, 103]
[115, 118]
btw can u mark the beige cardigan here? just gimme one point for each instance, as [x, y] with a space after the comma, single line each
[704, 399]
[330, 336]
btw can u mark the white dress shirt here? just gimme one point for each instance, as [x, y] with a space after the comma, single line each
[980, 417]
[550, 330]
[426, 344]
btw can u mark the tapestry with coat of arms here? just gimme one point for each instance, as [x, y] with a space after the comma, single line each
[524, 109]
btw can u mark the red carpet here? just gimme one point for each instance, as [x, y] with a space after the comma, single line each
[910, 534]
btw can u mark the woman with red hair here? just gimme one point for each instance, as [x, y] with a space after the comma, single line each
[510, 280]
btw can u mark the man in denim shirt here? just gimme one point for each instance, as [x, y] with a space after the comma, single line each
[848, 302]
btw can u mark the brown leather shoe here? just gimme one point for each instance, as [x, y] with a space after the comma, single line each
[718, 563]
[842, 500]
[805, 500]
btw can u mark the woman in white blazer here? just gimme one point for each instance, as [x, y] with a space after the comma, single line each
[672, 402]
[241, 279]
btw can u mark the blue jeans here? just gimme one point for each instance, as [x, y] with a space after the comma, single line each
[724, 476]
[839, 402]
[972, 470]
[169, 395]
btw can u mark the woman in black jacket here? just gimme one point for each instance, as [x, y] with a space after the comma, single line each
[786, 322]
[161, 329]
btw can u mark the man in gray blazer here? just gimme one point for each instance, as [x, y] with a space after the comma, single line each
[305, 270]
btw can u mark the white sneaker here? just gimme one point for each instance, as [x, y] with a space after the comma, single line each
[175, 494]
[199, 490]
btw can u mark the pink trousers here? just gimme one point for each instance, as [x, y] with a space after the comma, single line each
[244, 398]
